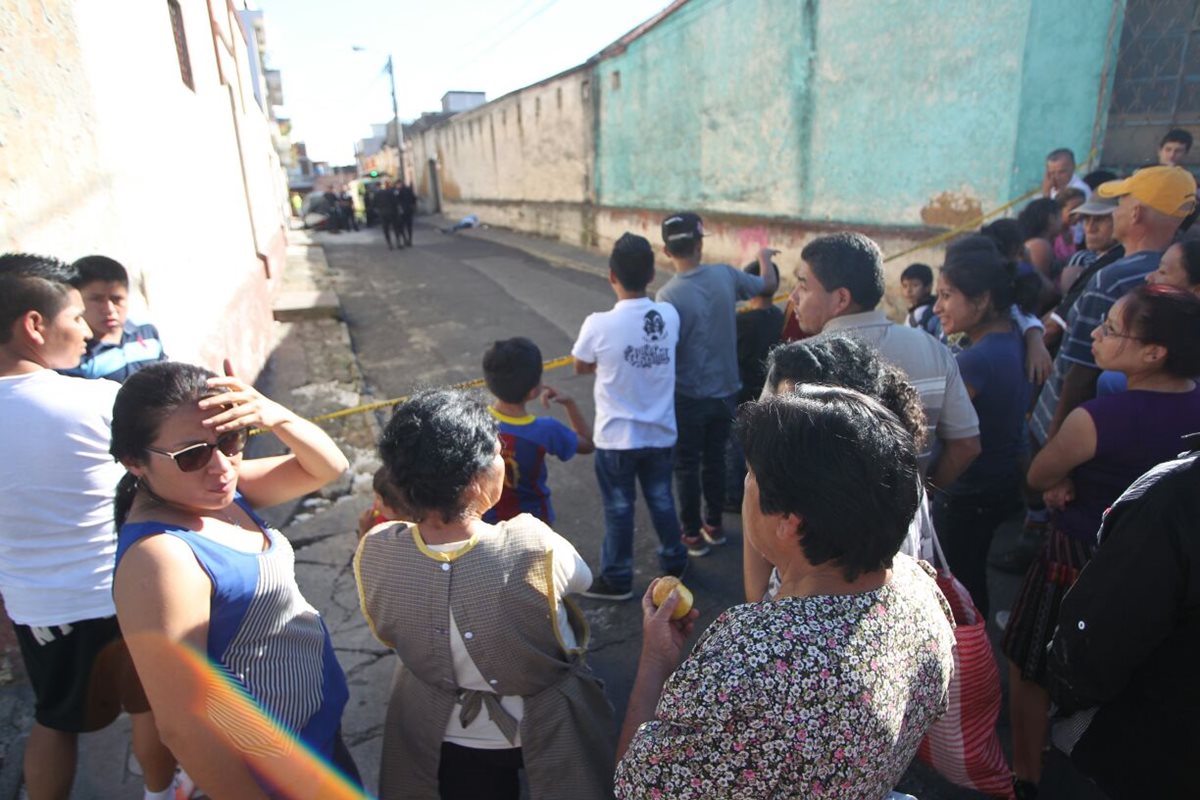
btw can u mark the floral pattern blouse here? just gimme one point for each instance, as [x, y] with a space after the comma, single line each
[805, 697]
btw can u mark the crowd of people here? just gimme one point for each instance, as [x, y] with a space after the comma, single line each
[1048, 366]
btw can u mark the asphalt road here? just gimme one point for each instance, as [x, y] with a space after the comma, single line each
[423, 317]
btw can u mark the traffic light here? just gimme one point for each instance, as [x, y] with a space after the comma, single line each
[374, 173]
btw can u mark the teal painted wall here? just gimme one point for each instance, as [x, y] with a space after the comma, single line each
[710, 110]
[915, 109]
[884, 112]
[1064, 59]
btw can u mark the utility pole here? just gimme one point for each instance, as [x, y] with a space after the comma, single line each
[396, 120]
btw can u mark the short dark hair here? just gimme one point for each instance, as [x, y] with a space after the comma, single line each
[101, 268]
[1179, 136]
[847, 362]
[433, 448]
[383, 486]
[1060, 153]
[144, 402]
[975, 266]
[848, 261]
[753, 268]
[684, 248]
[512, 367]
[1006, 233]
[1167, 316]
[1096, 177]
[918, 272]
[843, 464]
[1036, 217]
[31, 282]
[632, 262]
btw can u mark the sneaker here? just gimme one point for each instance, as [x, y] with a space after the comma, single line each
[603, 590]
[695, 544]
[713, 534]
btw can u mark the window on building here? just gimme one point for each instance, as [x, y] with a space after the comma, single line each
[616, 79]
[558, 97]
[181, 49]
[537, 108]
[586, 89]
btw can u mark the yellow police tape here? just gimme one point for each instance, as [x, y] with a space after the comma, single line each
[556, 363]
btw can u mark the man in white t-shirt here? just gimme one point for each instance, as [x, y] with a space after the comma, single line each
[57, 540]
[631, 351]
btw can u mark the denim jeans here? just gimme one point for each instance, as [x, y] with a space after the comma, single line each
[704, 426]
[618, 471]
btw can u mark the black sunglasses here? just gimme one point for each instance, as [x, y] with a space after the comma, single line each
[196, 456]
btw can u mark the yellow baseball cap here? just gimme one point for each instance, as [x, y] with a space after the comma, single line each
[1171, 190]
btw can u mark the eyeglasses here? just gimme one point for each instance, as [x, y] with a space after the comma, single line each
[196, 456]
[1107, 330]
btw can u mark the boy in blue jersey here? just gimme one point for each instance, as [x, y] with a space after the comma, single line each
[118, 348]
[513, 371]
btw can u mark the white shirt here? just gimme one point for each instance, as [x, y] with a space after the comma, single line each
[929, 365]
[57, 480]
[633, 348]
[571, 575]
[1075, 183]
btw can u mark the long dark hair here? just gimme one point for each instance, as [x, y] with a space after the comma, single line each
[147, 398]
[974, 266]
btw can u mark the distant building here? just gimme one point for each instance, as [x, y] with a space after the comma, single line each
[455, 102]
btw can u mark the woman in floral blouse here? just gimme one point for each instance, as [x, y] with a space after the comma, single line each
[826, 690]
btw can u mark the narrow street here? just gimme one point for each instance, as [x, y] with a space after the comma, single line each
[423, 317]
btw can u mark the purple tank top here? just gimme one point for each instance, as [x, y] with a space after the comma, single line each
[1134, 431]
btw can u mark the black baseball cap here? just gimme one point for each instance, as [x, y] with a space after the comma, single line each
[681, 227]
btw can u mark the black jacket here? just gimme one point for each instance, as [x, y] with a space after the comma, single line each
[1128, 640]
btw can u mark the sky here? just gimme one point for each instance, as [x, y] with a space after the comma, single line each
[333, 92]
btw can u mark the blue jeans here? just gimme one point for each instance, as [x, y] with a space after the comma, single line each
[704, 425]
[618, 471]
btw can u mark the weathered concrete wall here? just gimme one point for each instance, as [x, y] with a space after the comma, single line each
[876, 112]
[533, 146]
[1061, 84]
[709, 109]
[105, 150]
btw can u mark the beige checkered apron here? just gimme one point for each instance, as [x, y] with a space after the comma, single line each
[502, 592]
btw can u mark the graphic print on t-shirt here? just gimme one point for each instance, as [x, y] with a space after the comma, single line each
[654, 329]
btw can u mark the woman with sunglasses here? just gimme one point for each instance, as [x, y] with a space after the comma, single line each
[1152, 336]
[200, 573]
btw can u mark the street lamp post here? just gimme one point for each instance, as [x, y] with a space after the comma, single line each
[399, 140]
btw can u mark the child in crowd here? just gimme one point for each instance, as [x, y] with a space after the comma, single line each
[513, 371]
[917, 286]
[759, 327]
[383, 508]
[117, 347]
[631, 351]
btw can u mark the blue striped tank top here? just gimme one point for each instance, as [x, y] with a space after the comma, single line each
[264, 635]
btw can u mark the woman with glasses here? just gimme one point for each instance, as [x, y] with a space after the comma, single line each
[200, 573]
[1152, 336]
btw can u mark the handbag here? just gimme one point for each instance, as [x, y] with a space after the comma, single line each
[963, 745]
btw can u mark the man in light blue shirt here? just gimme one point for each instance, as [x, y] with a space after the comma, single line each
[706, 372]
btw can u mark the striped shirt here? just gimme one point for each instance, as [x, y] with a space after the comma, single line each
[265, 638]
[139, 347]
[930, 367]
[1104, 289]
